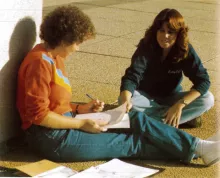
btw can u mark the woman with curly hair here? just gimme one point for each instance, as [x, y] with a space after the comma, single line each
[152, 83]
[44, 104]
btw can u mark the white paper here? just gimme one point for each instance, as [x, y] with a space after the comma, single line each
[116, 118]
[124, 123]
[116, 169]
[58, 172]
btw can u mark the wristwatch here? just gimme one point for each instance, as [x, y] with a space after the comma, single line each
[183, 101]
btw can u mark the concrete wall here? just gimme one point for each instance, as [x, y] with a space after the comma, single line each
[19, 27]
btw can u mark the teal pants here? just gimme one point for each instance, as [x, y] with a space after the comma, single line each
[150, 139]
[156, 107]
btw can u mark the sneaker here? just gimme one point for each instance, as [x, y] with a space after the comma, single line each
[215, 137]
[212, 155]
[195, 123]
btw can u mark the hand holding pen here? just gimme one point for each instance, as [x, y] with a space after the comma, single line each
[89, 96]
[95, 104]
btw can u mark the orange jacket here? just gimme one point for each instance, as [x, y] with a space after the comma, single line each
[43, 86]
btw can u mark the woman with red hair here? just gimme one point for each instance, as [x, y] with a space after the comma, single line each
[152, 83]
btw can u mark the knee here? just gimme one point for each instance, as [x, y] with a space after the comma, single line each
[140, 120]
[140, 100]
[208, 100]
[137, 118]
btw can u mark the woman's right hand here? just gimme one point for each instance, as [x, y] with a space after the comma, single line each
[125, 97]
[91, 126]
[128, 105]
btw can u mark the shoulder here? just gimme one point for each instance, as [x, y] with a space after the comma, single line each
[192, 51]
[35, 63]
[39, 55]
[146, 51]
[140, 48]
[192, 57]
[192, 54]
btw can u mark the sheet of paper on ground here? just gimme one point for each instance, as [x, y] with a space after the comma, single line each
[111, 169]
[46, 167]
[116, 169]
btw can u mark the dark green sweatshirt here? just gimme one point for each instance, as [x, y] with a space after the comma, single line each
[149, 74]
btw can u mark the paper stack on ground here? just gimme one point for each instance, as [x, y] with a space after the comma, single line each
[116, 169]
[111, 169]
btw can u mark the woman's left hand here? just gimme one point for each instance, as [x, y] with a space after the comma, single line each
[92, 106]
[173, 115]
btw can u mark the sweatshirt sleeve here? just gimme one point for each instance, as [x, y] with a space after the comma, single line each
[37, 90]
[134, 73]
[195, 71]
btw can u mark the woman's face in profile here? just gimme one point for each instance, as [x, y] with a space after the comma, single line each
[166, 37]
[69, 49]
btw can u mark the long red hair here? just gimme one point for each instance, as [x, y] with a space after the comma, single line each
[176, 23]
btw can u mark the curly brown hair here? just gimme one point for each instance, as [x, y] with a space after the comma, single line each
[66, 24]
[176, 23]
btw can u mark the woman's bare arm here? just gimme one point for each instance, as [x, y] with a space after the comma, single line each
[57, 121]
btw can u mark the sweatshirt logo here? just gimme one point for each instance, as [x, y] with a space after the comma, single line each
[174, 71]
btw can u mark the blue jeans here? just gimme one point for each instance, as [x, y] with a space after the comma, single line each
[156, 107]
[149, 139]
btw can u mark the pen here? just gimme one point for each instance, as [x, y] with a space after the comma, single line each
[89, 96]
